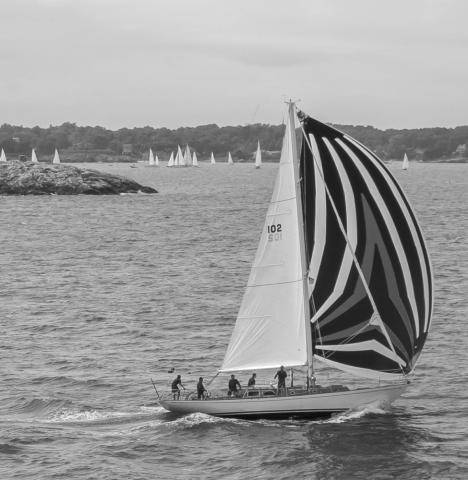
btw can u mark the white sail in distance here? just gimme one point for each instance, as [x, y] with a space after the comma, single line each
[56, 159]
[194, 159]
[230, 162]
[187, 157]
[156, 160]
[405, 163]
[170, 163]
[34, 156]
[258, 156]
[151, 158]
[3, 156]
[270, 328]
[212, 159]
[179, 160]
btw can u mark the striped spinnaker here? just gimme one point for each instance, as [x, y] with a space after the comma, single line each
[369, 271]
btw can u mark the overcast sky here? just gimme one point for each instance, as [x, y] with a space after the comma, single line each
[115, 63]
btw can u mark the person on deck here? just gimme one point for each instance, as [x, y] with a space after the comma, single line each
[232, 385]
[252, 380]
[281, 374]
[201, 390]
[175, 387]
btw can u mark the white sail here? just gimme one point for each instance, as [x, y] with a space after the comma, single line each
[405, 163]
[270, 328]
[56, 159]
[156, 160]
[212, 160]
[151, 157]
[194, 160]
[230, 162]
[179, 160]
[258, 156]
[187, 157]
[34, 156]
[170, 163]
[3, 156]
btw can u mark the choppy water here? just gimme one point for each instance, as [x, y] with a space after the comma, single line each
[98, 294]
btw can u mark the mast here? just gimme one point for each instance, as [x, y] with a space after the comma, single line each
[300, 222]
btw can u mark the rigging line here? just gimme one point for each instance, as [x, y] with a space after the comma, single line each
[356, 262]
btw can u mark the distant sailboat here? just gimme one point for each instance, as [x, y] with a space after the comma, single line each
[3, 156]
[34, 157]
[156, 161]
[405, 163]
[56, 159]
[179, 159]
[258, 156]
[187, 157]
[170, 163]
[230, 162]
[212, 161]
[151, 158]
[194, 160]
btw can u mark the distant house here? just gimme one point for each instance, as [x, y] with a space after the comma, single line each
[461, 149]
[127, 149]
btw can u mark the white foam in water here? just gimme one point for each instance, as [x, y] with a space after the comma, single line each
[376, 408]
[84, 416]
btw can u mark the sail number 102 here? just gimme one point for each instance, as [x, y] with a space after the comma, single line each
[274, 232]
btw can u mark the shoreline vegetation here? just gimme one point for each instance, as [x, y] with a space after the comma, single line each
[79, 144]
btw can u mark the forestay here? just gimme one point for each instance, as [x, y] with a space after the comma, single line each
[370, 276]
[270, 329]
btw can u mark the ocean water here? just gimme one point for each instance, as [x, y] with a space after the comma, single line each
[99, 294]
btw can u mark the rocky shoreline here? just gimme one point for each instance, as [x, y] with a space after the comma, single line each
[27, 178]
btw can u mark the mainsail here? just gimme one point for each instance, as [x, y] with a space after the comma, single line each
[258, 156]
[212, 160]
[34, 156]
[270, 328]
[369, 271]
[229, 161]
[187, 157]
[3, 156]
[170, 162]
[194, 159]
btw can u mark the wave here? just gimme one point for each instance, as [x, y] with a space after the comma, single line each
[377, 408]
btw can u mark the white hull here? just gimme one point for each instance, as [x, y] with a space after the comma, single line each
[311, 405]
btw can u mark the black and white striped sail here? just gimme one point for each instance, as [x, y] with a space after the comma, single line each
[370, 278]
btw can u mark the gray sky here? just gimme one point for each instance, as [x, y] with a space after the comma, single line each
[387, 63]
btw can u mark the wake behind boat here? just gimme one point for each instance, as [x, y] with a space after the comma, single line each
[341, 275]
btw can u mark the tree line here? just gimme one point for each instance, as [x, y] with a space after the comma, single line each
[425, 144]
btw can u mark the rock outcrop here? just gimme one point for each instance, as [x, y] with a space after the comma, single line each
[26, 178]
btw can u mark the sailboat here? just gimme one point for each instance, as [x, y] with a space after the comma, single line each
[3, 156]
[258, 156]
[405, 163]
[229, 161]
[187, 157]
[212, 159]
[195, 160]
[56, 159]
[34, 156]
[170, 163]
[179, 158]
[341, 279]
[156, 161]
[151, 161]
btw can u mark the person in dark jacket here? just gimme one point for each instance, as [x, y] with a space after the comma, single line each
[175, 387]
[252, 380]
[232, 385]
[281, 374]
[201, 390]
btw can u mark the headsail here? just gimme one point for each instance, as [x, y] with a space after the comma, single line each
[270, 328]
[370, 276]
